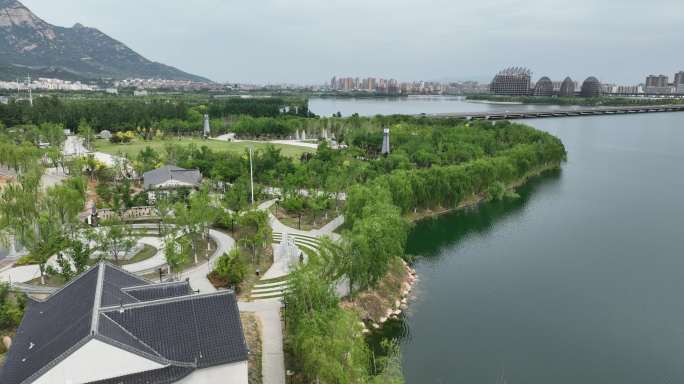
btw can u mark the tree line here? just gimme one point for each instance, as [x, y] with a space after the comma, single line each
[129, 114]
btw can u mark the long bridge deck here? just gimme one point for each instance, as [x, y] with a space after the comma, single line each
[588, 111]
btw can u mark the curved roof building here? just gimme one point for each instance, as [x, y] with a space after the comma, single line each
[591, 87]
[514, 81]
[544, 87]
[567, 88]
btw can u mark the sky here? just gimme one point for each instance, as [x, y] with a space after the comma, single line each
[309, 41]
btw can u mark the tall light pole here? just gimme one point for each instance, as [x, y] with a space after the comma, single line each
[251, 174]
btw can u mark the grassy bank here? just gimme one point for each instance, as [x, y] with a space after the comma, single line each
[474, 200]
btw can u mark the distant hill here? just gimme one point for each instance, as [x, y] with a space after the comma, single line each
[30, 45]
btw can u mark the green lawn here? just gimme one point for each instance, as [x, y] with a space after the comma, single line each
[133, 148]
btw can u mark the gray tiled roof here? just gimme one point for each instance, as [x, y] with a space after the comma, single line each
[159, 291]
[51, 328]
[161, 322]
[171, 172]
[204, 330]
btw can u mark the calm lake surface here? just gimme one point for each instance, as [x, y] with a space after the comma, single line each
[581, 280]
[412, 105]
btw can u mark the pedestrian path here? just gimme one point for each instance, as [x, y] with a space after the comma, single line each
[272, 356]
[274, 283]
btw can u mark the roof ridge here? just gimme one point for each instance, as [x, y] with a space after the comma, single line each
[117, 268]
[70, 282]
[166, 300]
[153, 285]
[98, 298]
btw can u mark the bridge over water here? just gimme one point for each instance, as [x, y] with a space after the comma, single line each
[570, 112]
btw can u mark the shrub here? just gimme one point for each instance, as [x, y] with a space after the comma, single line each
[11, 307]
[231, 268]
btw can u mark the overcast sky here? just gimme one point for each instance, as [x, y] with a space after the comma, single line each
[309, 41]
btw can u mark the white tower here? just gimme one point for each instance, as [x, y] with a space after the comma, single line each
[30, 93]
[385, 141]
[207, 127]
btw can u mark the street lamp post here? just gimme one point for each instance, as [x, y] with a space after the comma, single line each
[251, 175]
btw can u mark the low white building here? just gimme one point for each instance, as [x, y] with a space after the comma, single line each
[111, 327]
[170, 177]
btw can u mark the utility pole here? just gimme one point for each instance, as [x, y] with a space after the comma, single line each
[251, 174]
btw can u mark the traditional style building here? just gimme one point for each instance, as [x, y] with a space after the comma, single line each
[111, 327]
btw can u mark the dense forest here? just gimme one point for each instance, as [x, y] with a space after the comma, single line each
[127, 114]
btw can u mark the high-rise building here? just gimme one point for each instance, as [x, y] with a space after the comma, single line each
[512, 81]
[657, 84]
[567, 88]
[679, 83]
[679, 78]
[656, 81]
[544, 87]
[591, 87]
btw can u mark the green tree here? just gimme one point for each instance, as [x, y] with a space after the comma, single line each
[87, 133]
[231, 268]
[12, 307]
[115, 238]
[255, 232]
[176, 250]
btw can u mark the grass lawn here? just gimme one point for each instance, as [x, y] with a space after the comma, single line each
[265, 262]
[144, 254]
[292, 220]
[132, 149]
[201, 252]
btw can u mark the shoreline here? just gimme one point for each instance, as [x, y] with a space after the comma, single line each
[475, 200]
[494, 102]
[399, 299]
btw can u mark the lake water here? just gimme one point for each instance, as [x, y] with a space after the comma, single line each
[411, 105]
[578, 281]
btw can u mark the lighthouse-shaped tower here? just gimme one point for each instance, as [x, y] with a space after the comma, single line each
[385, 141]
[207, 128]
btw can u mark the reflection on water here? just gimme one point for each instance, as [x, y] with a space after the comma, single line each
[431, 235]
[413, 105]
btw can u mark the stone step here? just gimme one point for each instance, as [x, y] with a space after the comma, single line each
[266, 296]
[299, 241]
[272, 290]
[267, 285]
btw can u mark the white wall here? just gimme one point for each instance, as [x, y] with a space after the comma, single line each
[235, 373]
[96, 360]
[172, 184]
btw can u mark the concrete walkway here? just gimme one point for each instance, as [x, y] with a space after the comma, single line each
[273, 357]
[155, 262]
[296, 143]
[198, 275]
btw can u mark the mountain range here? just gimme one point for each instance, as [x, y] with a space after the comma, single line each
[28, 44]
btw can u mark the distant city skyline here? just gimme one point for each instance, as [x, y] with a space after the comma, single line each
[307, 41]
